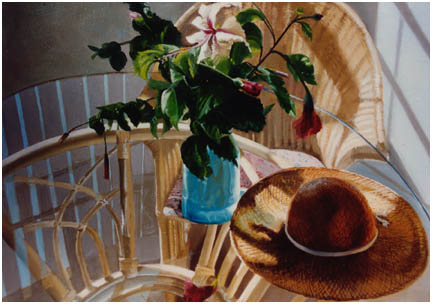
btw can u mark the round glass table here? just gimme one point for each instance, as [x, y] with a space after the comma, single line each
[63, 184]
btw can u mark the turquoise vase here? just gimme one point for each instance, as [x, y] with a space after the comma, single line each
[213, 200]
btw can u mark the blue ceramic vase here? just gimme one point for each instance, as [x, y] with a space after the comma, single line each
[213, 200]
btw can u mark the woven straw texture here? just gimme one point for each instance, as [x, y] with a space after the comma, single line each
[348, 73]
[397, 258]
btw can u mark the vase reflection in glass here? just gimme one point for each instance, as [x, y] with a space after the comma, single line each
[213, 200]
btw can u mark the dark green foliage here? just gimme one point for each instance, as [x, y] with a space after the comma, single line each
[253, 35]
[225, 149]
[239, 52]
[112, 51]
[195, 156]
[250, 15]
[118, 61]
[306, 29]
[278, 86]
[153, 28]
[300, 67]
[211, 94]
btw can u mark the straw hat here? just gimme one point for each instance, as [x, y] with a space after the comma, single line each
[393, 243]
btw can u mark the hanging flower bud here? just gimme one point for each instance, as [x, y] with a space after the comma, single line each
[106, 166]
[309, 122]
[317, 17]
[252, 88]
[106, 160]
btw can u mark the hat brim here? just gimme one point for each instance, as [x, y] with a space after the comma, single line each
[397, 258]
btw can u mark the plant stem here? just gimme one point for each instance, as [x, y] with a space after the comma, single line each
[278, 40]
[266, 22]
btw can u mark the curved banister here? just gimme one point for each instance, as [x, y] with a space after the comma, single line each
[78, 139]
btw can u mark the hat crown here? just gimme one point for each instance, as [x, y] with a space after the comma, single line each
[330, 215]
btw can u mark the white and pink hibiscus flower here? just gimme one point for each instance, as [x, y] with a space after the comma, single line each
[216, 34]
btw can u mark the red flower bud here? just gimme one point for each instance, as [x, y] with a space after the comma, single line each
[193, 293]
[106, 166]
[308, 124]
[252, 88]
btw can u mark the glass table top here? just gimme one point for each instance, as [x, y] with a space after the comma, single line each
[376, 166]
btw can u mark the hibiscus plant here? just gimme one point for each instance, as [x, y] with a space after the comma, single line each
[210, 83]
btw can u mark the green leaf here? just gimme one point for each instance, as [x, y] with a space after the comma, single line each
[122, 122]
[137, 113]
[164, 69]
[132, 111]
[205, 102]
[138, 44]
[241, 70]
[244, 112]
[147, 113]
[212, 89]
[170, 34]
[110, 111]
[109, 49]
[158, 85]
[249, 15]
[170, 106]
[278, 86]
[226, 148]
[300, 67]
[195, 156]
[187, 63]
[268, 109]
[118, 61]
[306, 29]
[208, 75]
[253, 36]
[176, 74]
[212, 131]
[166, 124]
[239, 52]
[97, 124]
[217, 118]
[93, 48]
[145, 59]
[299, 11]
[155, 29]
[223, 65]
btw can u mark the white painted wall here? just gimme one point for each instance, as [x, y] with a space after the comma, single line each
[401, 32]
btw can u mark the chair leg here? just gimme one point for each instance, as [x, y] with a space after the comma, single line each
[129, 263]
